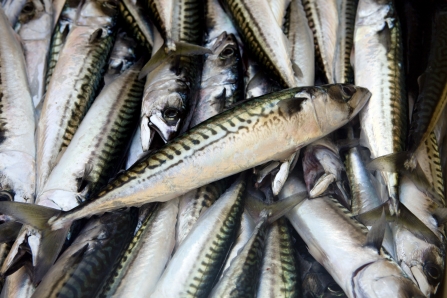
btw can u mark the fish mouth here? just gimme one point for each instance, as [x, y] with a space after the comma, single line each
[422, 282]
[166, 129]
[359, 99]
[146, 135]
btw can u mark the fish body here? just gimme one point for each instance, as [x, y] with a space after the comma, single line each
[193, 204]
[359, 269]
[433, 86]
[196, 264]
[378, 67]
[139, 25]
[163, 13]
[146, 256]
[19, 284]
[279, 271]
[229, 137]
[73, 84]
[263, 37]
[324, 21]
[17, 124]
[84, 266]
[35, 28]
[171, 86]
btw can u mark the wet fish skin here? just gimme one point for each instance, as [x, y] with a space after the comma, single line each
[17, 123]
[193, 204]
[263, 37]
[279, 272]
[146, 256]
[242, 277]
[12, 9]
[140, 26]
[19, 284]
[35, 27]
[74, 82]
[378, 67]
[163, 13]
[197, 262]
[222, 79]
[224, 132]
[84, 266]
[433, 90]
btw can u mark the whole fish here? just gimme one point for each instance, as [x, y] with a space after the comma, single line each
[96, 151]
[263, 38]
[17, 124]
[34, 28]
[84, 266]
[196, 264]
[74, 82]
[146, 256]
[186, 164]
[378, 67]
[339, 243]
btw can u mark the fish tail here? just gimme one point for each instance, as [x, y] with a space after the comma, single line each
[42, 219]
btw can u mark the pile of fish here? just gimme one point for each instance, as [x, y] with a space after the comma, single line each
[232, 148]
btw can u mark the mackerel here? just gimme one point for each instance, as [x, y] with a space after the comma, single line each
[323, 20]
[84, 266]
[171, 86]
[433, 89]
[64, 24]
[144, 260]
[279, 271]
[17, 124]
[91, 159]
[137, 23]
[241, 278]
[195, 265]
[34, 28]
[193, 204]
[378, 67]
[185, 163]
[339, 243]
[263, 37]
[74, 83]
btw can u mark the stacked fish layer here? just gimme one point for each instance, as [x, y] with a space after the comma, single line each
[222, 148]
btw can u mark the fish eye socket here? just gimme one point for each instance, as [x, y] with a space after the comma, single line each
[334, 289]
[171, 113]
[348, 91]
[227, 53]
[432, 272]
[5, 196]
[28, 8]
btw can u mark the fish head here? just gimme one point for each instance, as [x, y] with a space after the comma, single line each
[98, 13]
[341, 103]
[383, 278]
[226, 50]
[162, 116]
[421, 261]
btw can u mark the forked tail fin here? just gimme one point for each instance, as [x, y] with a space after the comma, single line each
[51, 241]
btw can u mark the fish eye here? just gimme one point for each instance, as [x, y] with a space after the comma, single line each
[171, 113]
[28, 8]
[226, 53]
[347, 90]
[6, 196]
[334, 289]
[432, 272]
